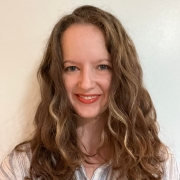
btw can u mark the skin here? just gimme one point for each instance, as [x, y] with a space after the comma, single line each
[87, 78]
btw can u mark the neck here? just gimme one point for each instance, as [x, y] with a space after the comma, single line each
[89, 133]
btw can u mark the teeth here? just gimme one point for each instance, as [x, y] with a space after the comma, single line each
[87, 97]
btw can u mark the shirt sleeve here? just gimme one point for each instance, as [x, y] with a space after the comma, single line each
[6, 170]
[15, 166]
[171, 171]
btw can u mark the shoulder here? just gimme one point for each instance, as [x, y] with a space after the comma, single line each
[171, 170]
[16, 164]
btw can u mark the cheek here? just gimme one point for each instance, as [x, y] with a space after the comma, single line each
[107, 83]
[69, 85]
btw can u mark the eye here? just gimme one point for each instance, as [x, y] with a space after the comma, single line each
[103, 67]
[71, 68]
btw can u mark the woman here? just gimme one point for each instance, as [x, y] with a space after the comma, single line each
[95, 120]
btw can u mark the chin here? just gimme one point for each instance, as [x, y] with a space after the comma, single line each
[89, 116]
[90, 113]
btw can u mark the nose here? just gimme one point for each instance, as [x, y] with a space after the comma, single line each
[86, 80]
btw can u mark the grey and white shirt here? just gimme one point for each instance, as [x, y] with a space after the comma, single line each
[16, 166]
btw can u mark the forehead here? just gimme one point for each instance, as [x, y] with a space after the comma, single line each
[83, 41]
[81, 31]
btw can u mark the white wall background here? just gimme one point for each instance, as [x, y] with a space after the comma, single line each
[25, 25]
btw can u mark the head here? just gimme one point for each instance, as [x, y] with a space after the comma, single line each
[87, 72]
[124, 62]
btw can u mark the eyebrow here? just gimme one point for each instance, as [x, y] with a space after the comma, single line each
[69, 61]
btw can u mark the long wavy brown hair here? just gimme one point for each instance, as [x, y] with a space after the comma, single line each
[131, 131]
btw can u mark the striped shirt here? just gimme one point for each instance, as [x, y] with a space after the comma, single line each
[16, 166]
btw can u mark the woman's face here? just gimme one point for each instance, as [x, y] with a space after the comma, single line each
[87, 70]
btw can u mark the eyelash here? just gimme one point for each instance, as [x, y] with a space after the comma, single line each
[103, 67]
[100, 67]
[69, 68]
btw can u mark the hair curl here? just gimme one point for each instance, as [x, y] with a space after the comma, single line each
[131, 130]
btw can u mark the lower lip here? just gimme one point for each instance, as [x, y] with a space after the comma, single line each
[87, 101]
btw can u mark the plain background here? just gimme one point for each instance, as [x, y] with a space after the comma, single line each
[25, 25]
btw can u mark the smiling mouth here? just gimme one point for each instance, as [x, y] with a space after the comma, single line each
[87, 99]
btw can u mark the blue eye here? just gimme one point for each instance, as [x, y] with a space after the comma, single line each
[103, 67]
[71, 68]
